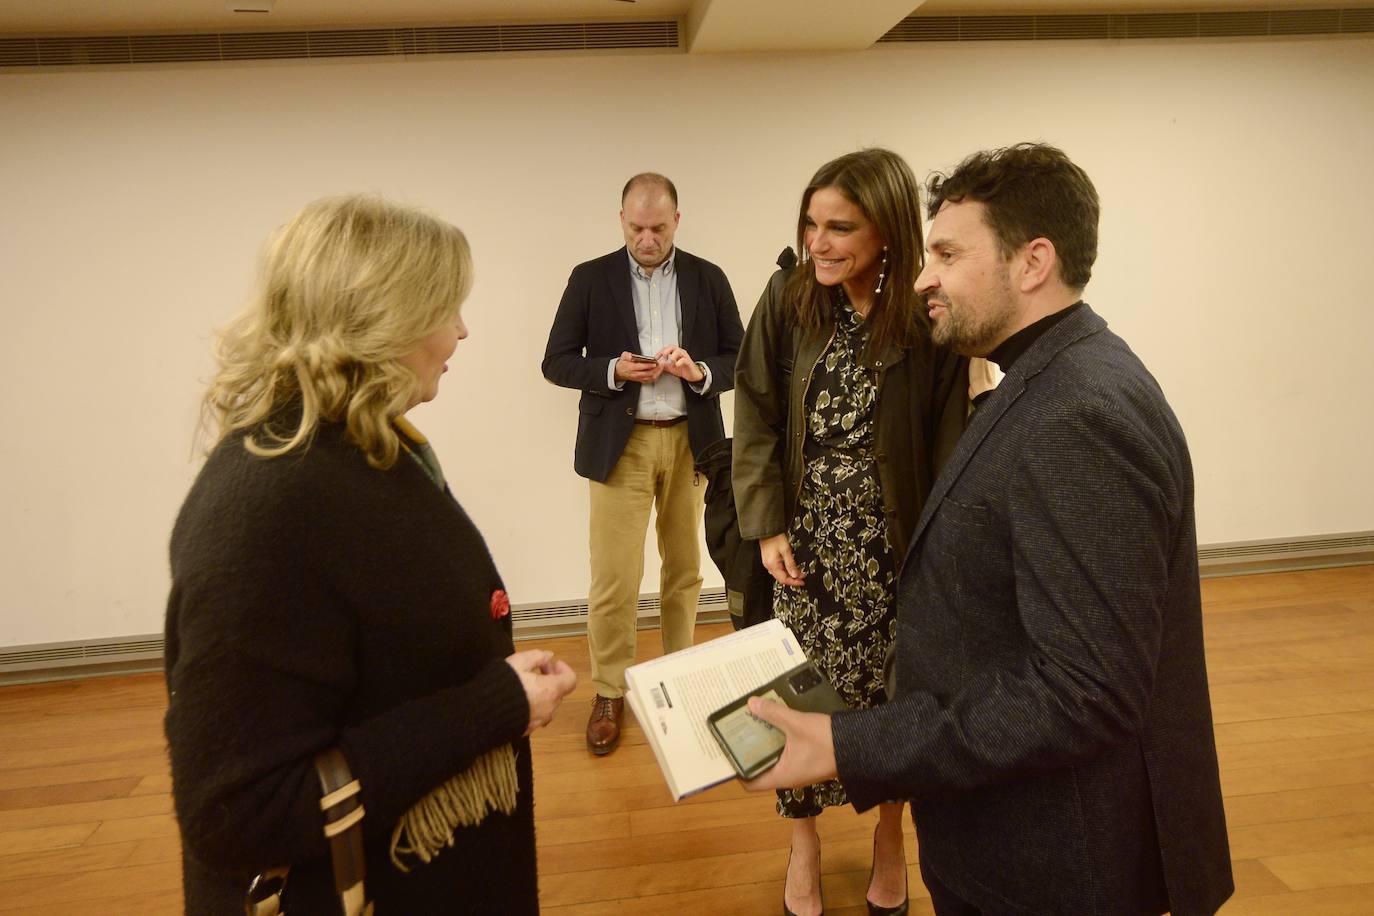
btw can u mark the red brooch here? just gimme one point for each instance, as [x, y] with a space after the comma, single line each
[500, 604]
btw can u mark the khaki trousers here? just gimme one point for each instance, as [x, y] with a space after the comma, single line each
[654, 470]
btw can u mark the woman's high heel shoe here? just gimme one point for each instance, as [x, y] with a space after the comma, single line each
[786, 910]
[898, 910]
[873, 908]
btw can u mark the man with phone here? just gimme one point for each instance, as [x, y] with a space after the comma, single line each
[649, 335]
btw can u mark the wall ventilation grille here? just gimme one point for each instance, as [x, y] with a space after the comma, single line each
[398, 42]
[1249, 24]
[530, 616]
[52, 661]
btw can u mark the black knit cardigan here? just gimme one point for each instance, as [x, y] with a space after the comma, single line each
[317, 601]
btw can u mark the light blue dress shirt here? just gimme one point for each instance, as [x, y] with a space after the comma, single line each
[658, 316]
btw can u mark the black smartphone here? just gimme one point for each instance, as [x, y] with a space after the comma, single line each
[751, 743]
[637, 358]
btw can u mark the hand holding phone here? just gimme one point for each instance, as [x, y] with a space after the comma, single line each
[635, 367]
[751, 744]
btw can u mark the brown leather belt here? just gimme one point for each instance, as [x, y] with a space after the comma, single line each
[662, 424]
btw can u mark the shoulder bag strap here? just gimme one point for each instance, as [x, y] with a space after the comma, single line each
[343, 815]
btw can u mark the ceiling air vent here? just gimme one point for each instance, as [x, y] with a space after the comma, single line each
[1234, 25]
[1262, 23]
[1054, 28]
[361, 43]
[461, 39]
[168, 48]
[263, 45]
[19, 52]
[1160, 25]
[339, 43]
[997, 28]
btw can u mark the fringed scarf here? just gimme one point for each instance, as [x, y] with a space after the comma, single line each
[463, 800]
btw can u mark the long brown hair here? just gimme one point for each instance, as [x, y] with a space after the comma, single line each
[881, 184]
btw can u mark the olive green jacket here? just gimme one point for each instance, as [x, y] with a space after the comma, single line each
[921, 407]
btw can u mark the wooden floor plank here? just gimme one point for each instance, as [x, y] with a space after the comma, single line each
[66, 793]
[1302, 775]
[1253, 879]
[1298, 804]
[23, 840]
[1306, 871]
[1298, 750]
[1347, 900]
[1318, 834]
[1234, 734]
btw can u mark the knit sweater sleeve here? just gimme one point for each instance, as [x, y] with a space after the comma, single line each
[268, 664]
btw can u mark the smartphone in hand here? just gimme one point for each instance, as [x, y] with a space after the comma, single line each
[751, 744]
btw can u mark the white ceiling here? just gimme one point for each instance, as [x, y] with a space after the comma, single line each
[712, 25]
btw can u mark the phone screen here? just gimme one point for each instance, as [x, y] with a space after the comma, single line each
[750, 740]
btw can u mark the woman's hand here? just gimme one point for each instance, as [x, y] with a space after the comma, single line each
[547, 680]
[778, 560]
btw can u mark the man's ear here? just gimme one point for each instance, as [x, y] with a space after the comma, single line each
[1039, 263]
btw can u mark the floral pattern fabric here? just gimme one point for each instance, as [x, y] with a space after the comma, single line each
[843, 615]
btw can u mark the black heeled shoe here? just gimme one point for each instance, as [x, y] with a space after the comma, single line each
[786, 910]
[873, 908]
[898, 910]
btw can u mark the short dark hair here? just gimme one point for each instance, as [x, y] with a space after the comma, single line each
[1029, 191]
[649, 180]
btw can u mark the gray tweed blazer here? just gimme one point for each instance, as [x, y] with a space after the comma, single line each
[1051, 722]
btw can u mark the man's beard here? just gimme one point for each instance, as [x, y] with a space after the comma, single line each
[972, 334]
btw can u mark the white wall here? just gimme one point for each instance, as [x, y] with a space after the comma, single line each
[1237, 230]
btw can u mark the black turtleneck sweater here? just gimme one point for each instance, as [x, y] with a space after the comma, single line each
[1009, 350]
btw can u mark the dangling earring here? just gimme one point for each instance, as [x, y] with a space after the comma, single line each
[882, 273]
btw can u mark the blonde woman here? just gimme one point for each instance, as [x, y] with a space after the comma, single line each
[329, 592]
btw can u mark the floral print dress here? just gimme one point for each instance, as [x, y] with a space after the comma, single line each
[843, 615]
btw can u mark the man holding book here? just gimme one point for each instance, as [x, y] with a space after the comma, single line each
[1051, 721]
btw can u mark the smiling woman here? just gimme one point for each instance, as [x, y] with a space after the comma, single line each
[844, 409]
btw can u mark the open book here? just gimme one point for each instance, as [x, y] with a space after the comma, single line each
[672, 696]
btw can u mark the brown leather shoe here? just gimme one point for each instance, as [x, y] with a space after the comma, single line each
[603, 728]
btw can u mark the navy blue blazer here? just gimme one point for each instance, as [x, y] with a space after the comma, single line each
[596, 321]
[1051, 722]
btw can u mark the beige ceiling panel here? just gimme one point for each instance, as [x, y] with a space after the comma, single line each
[791, 25]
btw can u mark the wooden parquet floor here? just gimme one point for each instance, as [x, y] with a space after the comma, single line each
[86, 824]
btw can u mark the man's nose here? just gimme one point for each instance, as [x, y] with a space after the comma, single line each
[925, 281]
